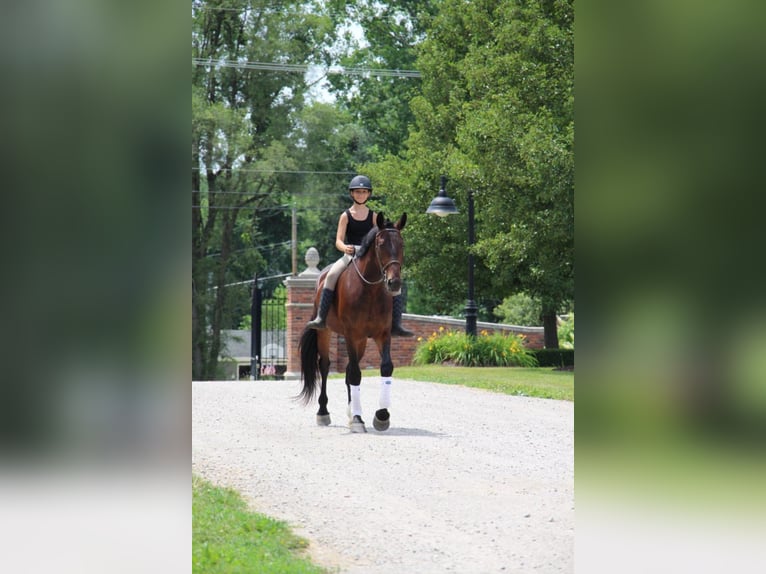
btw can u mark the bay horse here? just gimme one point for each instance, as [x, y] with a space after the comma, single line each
[361, 309]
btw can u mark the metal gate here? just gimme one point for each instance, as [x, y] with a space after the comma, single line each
[268, 341]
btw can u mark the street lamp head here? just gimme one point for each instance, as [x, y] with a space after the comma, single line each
[442, 205]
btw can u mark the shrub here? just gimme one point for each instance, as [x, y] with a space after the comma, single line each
[554, 357]
[566, 333]
[485, 350]
[519, 309]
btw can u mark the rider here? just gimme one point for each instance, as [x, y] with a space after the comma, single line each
[353, 225]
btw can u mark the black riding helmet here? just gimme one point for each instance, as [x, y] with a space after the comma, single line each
[360, 182]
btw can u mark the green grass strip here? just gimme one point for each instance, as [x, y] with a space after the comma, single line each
[540, 382]
[544, 383]
[227, 537]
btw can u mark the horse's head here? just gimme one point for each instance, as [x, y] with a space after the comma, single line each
[389, 247]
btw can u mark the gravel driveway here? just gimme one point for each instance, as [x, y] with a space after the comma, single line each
[464, 481]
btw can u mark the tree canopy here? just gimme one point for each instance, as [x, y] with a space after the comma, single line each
[496, 117]
[481, 92]
[248, 151]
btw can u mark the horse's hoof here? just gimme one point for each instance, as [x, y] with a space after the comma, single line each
[357, 425]
[382, 420]
[323, 420]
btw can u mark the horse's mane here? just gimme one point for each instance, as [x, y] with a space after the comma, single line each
[366, 242]
[368, 239]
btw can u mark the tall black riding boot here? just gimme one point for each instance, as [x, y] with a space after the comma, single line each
[324, 307]
[396, 321]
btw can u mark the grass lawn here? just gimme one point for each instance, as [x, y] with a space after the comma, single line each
[227, 537]
[544, 382]
[541, 382]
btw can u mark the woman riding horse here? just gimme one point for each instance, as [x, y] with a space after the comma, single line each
[360, 309]
[353, 224]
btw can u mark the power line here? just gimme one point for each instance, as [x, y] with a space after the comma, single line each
[249, 281]
[264, 209]
[303, 68]
[247, 193]
[304, 171]
[273, 6]
[269, 247]
[223, 192]
[219, 9]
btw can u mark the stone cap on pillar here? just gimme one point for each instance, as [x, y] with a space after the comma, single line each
[307, 278]
[312, 259]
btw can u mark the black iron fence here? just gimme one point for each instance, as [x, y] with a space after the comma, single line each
[268, 346]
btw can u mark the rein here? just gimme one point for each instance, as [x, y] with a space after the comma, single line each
[380, 263]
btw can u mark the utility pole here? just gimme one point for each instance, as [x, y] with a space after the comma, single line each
[295, 240]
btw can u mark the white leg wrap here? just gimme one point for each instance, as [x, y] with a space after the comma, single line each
[385, 392]
[356, 400]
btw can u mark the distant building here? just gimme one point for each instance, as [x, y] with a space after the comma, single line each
[235, 360]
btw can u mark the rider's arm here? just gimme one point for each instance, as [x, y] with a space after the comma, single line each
[341, 235]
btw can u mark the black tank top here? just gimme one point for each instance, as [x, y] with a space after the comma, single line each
[357, 230]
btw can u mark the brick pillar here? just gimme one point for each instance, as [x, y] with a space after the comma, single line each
[300, 305]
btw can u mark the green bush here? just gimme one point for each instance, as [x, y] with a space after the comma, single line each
[566, 333]
[485, 350]
[519, 309]
[554, 357]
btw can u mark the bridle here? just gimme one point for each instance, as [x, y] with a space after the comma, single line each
[380, 263]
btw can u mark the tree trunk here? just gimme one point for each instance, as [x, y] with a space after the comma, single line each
[198, 317]
[214, 348]
[197, 335]
[550, 330]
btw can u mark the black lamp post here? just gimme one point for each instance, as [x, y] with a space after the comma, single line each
[442, 205]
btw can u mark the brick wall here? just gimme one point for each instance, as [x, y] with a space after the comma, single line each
[403, 348]
[300, 293]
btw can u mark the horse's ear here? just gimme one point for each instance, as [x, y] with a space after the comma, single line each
[380, 221]
[402, 221]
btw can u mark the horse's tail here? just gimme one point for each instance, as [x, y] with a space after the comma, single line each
[309, 350]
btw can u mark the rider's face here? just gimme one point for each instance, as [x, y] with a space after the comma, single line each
[360, 195]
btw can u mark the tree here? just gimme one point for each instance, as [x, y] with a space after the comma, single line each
[519, 309]
[495, 116]
[242, 167]
[391, 34]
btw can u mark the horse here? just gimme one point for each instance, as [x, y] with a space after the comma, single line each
[361, 309]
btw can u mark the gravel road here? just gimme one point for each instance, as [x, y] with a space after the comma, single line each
[464, 481]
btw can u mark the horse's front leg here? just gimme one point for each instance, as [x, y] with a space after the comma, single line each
[382, 419]
[353, 384]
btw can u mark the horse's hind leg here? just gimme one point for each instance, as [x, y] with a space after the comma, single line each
[382, 419]
[323, 342]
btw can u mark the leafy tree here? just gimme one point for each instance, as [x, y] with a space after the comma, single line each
[243, 170]
[519, 309]
[391, 34]
[496, 117]
[328, 144]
